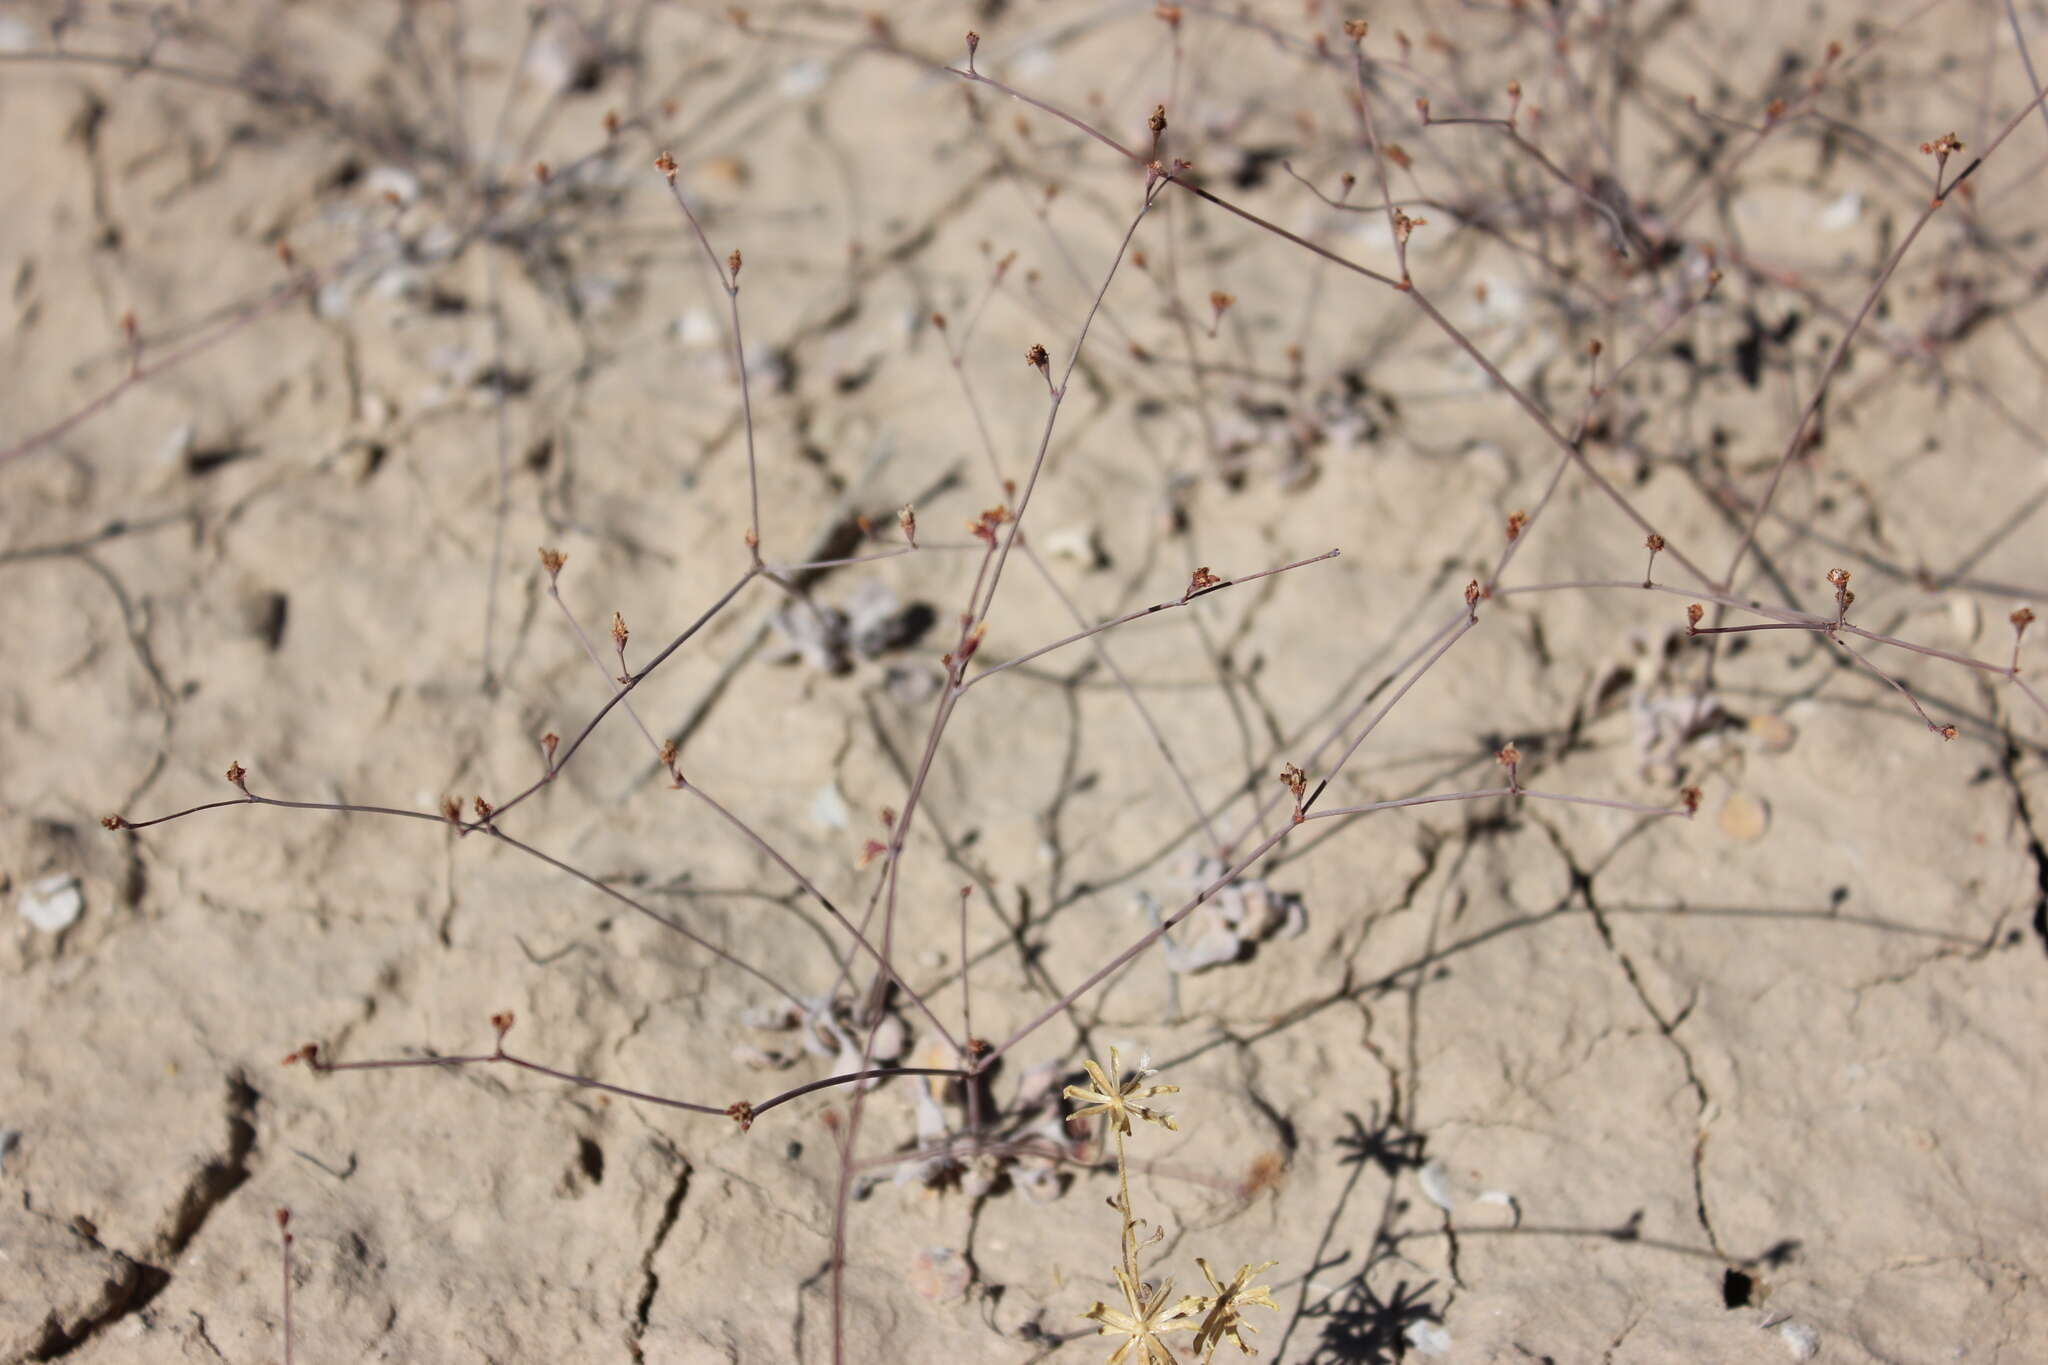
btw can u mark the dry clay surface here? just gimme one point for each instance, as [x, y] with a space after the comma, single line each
[1488, 1080]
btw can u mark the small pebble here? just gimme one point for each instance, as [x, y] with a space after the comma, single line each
[727, 171]
[938, 1274]
[1773, 734]
[1744, 818]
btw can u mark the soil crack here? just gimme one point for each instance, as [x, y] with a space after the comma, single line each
[650, 1282]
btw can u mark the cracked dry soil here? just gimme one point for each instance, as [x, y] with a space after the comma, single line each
[1537, 1082]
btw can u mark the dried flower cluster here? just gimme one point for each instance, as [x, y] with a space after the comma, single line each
[1149, 1312]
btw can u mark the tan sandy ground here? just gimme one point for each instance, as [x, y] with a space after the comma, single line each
[1537, 1081]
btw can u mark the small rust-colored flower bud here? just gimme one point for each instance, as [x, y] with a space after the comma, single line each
[1693, 612]
[906, 521]
[732, 262]
[1157, 123]
[666, 164]
[236, 772]
[2021, 619]
[1947, 732]
[483, 808]
[1201, 580]
[1653, 542]
[1516, 521]
[1037, 357]
[113, 822]
[451, 810]
[1422, 107]
[552, 561]
[1689, 797]
[742, 1113]
[502, 1022]
[1295, 780]
[1356, 29]
[549, 742]
[1472, 594]
[619, 632]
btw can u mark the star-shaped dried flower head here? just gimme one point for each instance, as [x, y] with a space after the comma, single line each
[1223, 1312]
[1118, 1098]
[1141, 1326]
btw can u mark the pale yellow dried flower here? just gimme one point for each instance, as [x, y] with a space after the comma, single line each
[1117, 1098]
[1222, 1312]
[1141, 1326]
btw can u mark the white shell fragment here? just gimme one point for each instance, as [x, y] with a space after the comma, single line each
[832, 639]
[1076, 544]
[828, 808]
[806, 77]
[697, 329]
[1428, 1338]
[392, 182]
[1843, 213]
[1504, 1200]
[564, 58]
[1800, 1341]
[1246, 912]
[1436, 1186]
[52, 904]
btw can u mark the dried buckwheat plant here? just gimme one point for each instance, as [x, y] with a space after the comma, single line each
[569, 468]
